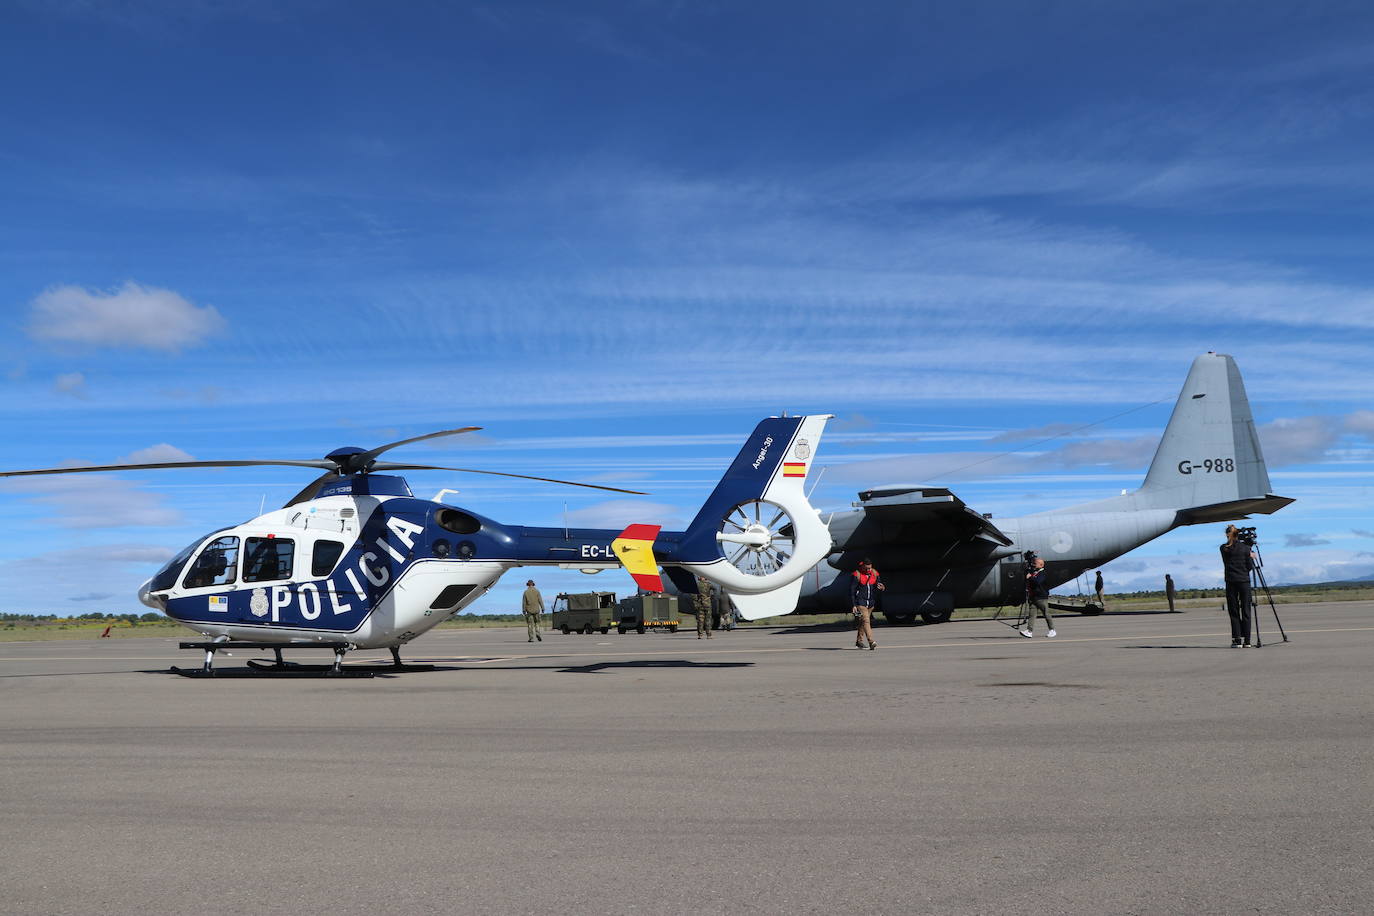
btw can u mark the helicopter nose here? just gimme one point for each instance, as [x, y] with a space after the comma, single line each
[145, 596]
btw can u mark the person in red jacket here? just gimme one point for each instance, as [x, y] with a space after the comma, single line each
[864, 586]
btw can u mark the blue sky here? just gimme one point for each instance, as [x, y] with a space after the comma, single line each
[616, 234]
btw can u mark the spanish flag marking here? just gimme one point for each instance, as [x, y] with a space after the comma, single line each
[635, 549]
[794, 469]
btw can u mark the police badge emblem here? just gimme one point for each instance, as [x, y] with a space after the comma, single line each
[802, 450]
[258, 603]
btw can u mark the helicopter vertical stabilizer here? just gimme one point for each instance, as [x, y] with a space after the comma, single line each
[757, 533]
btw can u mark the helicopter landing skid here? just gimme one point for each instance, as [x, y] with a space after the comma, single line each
[279, 665]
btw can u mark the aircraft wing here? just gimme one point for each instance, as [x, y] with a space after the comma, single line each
[928, 515]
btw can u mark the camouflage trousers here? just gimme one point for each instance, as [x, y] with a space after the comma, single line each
[704, 621]
[532, 627]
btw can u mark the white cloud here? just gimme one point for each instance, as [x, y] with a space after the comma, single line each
[130, 316]
[73, 384]
[83, 501]
[155, 454]
[47, 582]
[1297, 440]
[1304, 540]
[1048, 431]
[1361, 422]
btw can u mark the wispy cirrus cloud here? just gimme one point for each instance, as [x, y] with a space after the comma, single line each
[99, 500]
[617, 513]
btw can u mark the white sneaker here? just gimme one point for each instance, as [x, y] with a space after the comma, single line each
[1026, 633]
[1051, 634]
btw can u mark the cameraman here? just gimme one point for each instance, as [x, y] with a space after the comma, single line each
[1037, 597]
[1237, 559]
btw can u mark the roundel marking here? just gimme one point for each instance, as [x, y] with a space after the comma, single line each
[1061, 542]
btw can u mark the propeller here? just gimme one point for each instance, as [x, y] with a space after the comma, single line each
[342, 462]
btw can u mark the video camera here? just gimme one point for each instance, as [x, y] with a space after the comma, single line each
[1246, 536]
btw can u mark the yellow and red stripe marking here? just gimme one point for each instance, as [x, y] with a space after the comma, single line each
[635, 548]
[794, 469]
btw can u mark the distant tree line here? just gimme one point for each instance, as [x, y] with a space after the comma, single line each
[150, 617]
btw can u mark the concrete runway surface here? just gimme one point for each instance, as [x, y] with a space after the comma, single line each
[1136, 764]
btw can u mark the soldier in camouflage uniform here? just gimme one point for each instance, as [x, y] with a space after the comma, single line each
[532, 605]
[702, 603]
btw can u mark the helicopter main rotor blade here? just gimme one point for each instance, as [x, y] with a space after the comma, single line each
[311, 463]
[392, 466]
[367, 457]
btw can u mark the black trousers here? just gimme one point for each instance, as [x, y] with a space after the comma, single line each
[1238, 609]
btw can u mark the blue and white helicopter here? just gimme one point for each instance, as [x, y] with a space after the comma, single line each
[356, 561]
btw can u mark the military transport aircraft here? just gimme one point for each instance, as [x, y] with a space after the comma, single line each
[356, 561]
[936, 554]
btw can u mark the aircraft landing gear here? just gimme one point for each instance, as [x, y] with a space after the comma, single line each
[277, 666]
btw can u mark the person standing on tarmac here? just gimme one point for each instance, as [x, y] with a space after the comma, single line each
[1097, 587]
[864, 586]
[1038, 598]
[1169, 592]
[1236, 564]
[702, 603]
[532, 605]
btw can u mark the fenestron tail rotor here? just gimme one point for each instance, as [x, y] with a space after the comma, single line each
[757, 537]
[342, 462]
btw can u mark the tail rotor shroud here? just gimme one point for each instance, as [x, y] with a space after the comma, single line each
[757, 537]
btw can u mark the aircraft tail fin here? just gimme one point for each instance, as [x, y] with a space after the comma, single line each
[757, 533]
[1209, 465]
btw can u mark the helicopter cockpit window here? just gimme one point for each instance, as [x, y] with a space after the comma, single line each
[457, 522]
[326, 554]
[167, 576]
[216, 565]
[267, 559]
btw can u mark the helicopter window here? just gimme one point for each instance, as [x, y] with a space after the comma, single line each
[216, 564]
[167, 576]
[267, 559]
[457, 522]
[326, 554]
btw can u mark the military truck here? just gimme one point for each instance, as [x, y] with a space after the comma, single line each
[585, 612]
[645, 612]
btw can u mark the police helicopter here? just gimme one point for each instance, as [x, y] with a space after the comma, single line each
[356, 561]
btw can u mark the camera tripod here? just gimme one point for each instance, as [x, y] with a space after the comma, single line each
[1019, 622]
[1257, 585]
